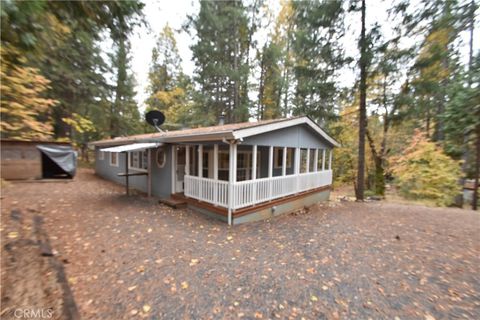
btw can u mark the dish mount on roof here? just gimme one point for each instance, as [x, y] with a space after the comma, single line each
[155, 118]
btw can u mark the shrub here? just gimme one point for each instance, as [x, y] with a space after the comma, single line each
[425, 172]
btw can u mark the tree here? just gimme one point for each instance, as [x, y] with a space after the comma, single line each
[270, 88]
[424, 171]
[25, 110]
[221, 60]
[359, 191]
[124, 114]
[318, 28]
[169, 88]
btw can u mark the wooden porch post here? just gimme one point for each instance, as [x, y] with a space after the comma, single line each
[330, 160]
[187, 160]
[297, 166]
[284, 161]
[232, 177]
[254, 171]
[174, 167]
[270, 170]
[215, 173]
[323, 159]
[307, 168]
[315, 161]
[200, 160]
[149, 174]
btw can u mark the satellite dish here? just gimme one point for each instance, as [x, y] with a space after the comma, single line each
[155, 118]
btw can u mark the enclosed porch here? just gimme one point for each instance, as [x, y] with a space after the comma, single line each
[236, 176]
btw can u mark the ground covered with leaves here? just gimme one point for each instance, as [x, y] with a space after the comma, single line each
[129, 257]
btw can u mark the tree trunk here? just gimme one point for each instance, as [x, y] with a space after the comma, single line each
[363, 110]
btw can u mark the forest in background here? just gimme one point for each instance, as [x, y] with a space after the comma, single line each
[412, 115]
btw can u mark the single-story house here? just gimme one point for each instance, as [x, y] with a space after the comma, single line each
[237, 172]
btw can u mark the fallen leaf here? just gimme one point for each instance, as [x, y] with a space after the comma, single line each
[12, 235]
[184, 285]
[193, 262]
[146, 308]
[313, 298]
[131, 288]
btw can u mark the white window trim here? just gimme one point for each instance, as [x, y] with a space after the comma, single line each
[111, 157]
[130, 164]
[101, 155]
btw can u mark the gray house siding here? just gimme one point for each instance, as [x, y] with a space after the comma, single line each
[297, 136]
[161, 177]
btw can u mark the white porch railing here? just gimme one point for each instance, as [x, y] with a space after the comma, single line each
[208, 190]
[250, 192]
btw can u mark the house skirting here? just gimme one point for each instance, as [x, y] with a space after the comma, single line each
[261, 211]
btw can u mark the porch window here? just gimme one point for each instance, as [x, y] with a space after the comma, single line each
[205, 164]
[114, 159]
[137, 160]
[278, 157]
[223, 164]
[320, 159]
[101, 155]
[303, 160]
[311, 161]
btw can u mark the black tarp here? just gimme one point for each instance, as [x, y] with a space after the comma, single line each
[58, 161]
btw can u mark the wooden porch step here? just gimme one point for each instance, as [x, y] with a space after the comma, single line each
[174, 203]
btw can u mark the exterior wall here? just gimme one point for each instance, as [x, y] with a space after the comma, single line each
[21, 160]
[284, 208]
[297, 136]
[270, 212]
[161, 177]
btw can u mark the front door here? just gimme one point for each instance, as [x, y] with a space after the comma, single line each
[180, 168]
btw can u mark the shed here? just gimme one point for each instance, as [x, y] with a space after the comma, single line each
[32, 160]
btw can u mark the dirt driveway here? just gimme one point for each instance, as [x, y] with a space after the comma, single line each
[131, 257]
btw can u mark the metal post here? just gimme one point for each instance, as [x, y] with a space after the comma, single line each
[126, 171]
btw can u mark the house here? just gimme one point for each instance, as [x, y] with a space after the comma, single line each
[236, 172]
[35, 160]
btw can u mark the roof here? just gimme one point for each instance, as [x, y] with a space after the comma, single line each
[233, 131]
[132, 147]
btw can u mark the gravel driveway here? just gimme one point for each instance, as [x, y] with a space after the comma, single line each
[129, 257]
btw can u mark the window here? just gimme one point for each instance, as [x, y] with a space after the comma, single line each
[320, 159]
[101, 155]
[303, 160]
[311, 161]
[114, 159]
[278, 157]
[205, 164]
[137, 160]
[161, 158]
